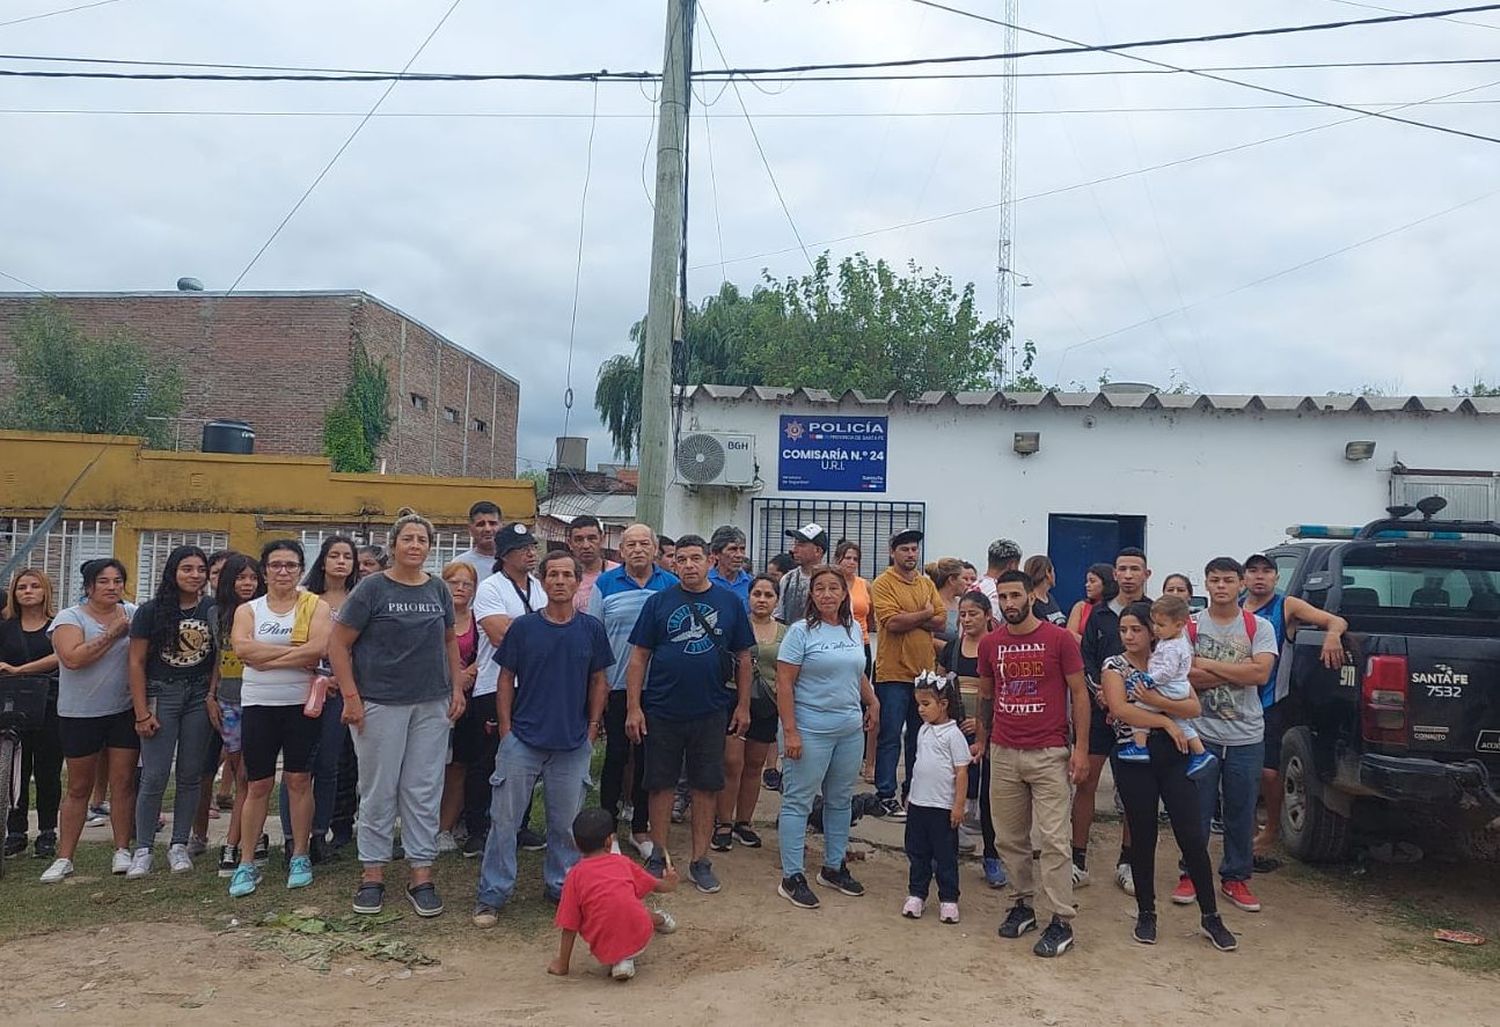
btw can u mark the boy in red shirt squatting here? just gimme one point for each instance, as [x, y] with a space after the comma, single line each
[601, 900]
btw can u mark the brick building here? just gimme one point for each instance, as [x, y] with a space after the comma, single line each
[279, 360]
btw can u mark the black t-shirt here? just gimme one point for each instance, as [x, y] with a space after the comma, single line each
[18, 646]
[1048, 610]
[188, 655]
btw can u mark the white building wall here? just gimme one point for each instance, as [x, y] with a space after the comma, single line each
[1208, 482]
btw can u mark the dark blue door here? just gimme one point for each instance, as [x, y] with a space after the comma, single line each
[1075, 541]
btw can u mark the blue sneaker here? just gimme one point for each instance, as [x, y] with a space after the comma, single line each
[300, 873]
[994, 873]
[1133, 753]
[246, 879]
[1199, 763]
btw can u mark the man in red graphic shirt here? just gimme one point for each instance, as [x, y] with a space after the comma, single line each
[1030, 671]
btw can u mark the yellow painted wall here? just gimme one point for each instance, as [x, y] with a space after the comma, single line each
[252, 498]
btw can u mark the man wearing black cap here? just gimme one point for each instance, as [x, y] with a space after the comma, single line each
[1285, 614]
[908, 610]
[508, 594]
[809, 548]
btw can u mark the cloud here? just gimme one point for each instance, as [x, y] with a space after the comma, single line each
[471, 223]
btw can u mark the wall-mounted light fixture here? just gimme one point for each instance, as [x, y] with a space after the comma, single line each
[1027, 442]
[1355, 451]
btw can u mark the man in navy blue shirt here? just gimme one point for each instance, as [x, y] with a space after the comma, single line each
[678, 694]
[549, 709]
[726, 548]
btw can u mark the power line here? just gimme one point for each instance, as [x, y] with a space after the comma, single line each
[763, 115]
[1397, 10]
[1071, 47]
[340, 151]
[54, 14]
[22, 281]
[759, 149]
[583, 206]
[1058, 190]
[1240, 82]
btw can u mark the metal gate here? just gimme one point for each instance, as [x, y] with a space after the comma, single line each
[156, 546]
[868, 523]
[61, 553]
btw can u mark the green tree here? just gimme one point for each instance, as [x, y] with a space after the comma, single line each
[538, 481]
[68, 380]
[861, 325]
[1477, 388]
[359, 422]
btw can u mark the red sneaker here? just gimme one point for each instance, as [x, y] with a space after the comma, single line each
[1239, 893]
[1184, 894]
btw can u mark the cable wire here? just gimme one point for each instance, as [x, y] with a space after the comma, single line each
[1117, 176]
[759, 148]
[583, 205]
[1481, 137]
[340, 151]
[54, 14]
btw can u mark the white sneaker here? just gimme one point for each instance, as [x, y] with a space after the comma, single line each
[140, 864]
[624, 970]
[1125, 878]
[668, 925]
[59, 869]
[445, 842]
[121, 862]
[178, 860]
[1080, 877]
[912, 908]
[947, 912]
[645, 846]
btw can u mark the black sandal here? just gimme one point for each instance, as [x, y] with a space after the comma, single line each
[723, 839]
[745, 835]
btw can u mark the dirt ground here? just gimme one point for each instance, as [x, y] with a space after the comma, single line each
[747, 956]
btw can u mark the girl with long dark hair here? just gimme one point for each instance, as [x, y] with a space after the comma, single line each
[240, 580]
[961, 658]
[1098, 587]
[172, 670]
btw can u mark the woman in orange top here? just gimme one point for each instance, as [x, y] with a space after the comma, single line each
[846, 557]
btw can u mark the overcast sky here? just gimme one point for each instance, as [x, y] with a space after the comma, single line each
[470, 223]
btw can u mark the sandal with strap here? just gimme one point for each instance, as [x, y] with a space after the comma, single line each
[723, 838]
[746, 835]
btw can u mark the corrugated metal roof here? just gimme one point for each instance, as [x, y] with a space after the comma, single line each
[1252, 403]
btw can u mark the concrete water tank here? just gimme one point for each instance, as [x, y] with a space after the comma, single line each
[227, 436]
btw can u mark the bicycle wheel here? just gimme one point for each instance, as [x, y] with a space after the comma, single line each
[8, 751]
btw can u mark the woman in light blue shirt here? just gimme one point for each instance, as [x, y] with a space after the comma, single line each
[820, 685]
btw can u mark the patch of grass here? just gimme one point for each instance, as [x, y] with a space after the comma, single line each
[93, 897]
[1418, 899]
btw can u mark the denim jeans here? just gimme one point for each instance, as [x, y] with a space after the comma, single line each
[518, 766]
[1237, 775]
[184, 733]
[325, 769]
[898, 713]
[829, 764]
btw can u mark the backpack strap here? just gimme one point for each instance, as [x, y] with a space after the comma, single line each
[1249, 620]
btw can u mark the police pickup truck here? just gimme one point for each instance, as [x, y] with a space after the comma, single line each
[1409, 728]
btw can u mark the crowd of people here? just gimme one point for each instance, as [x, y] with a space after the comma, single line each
[410, 714]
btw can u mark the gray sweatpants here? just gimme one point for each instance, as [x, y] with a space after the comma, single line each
[401, 750]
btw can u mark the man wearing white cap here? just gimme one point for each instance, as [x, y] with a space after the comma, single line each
[809, 548]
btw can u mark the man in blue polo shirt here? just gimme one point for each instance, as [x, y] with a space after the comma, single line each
[616, 599]
[726, 548]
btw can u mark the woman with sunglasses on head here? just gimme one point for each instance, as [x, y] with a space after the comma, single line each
[332, 576]
[94, 719]
[961, 658]
[172, 672]
[25, 651]
[280, 637]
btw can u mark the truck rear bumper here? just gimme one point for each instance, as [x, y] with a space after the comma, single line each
[1464, 787]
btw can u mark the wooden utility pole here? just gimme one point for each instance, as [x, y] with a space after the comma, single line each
[666, 242]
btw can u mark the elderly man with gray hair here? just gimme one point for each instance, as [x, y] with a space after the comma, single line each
[726, 548]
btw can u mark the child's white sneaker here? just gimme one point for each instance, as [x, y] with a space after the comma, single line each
[912, 908]
[624, 970]
[948, 913]
[668, 924]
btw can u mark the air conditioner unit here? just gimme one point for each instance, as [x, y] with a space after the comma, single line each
[716, 458]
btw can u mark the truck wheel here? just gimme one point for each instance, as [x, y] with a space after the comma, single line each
[1310, 830]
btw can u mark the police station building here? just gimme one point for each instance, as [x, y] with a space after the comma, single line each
[1073, 475]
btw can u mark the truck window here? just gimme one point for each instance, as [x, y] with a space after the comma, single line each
[1431, 590]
